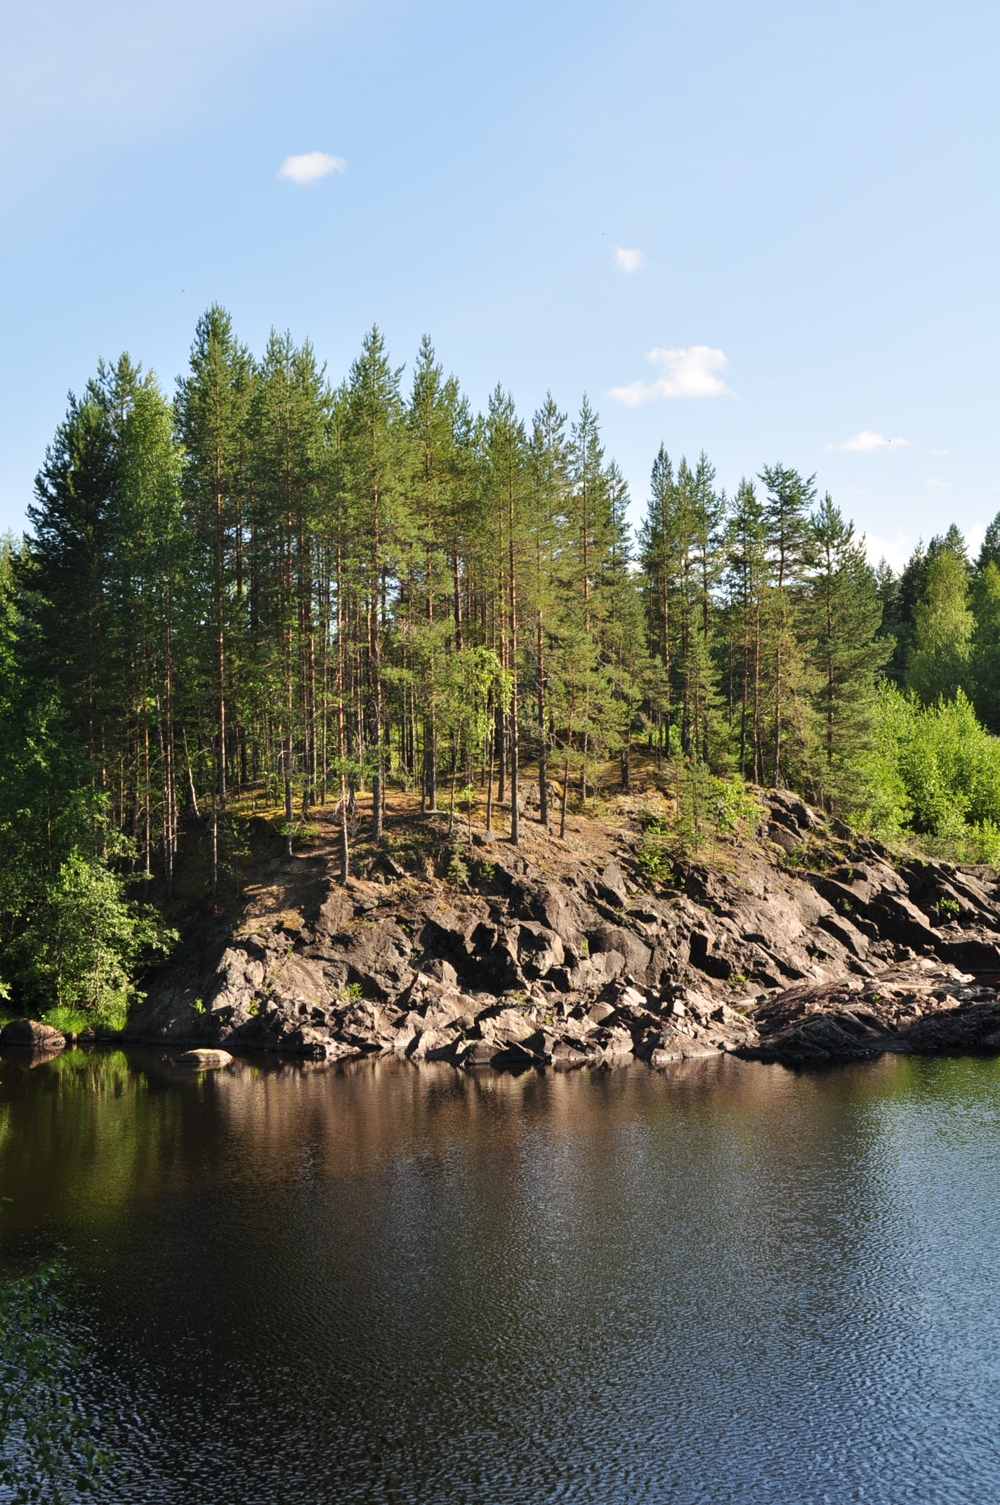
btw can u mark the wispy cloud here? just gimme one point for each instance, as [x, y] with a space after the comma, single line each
[868, 440]
[687, 373]
[937, 481]
[310, 166]
[628, 261]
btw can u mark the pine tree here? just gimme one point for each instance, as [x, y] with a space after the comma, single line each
[990, 550]
[747, 581]
[214, 404]
[288, 425]
[658, 544]
[845, 614]
[507, 490]
[785, 517]
[373, 445]
[550, 486]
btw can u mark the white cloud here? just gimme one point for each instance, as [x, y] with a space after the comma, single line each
[974, 538]
[628, 261]
[688, 373]
[868, 440]
[311, 166]
[896, 551]
[937, 481]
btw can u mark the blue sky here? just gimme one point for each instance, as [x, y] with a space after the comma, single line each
[808, 193]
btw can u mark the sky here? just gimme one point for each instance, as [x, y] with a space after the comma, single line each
[768, 231]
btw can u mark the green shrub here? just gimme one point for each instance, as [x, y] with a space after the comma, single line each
[71, 1021]
[934, 773]
[83, 942]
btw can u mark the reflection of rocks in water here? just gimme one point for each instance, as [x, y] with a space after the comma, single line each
[115, 1128]
[25, 1058]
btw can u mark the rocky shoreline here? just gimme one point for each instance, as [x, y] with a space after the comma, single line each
[800, 943]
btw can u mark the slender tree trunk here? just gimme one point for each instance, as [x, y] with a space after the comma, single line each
[565, 796]
[489, 782]
[190, 773]
[543, 766]
[215, 844]
[515, 831]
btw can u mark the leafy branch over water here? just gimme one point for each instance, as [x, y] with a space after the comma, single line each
[47, 1447]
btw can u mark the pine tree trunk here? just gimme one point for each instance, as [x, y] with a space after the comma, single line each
[515, 832]
[543, 767]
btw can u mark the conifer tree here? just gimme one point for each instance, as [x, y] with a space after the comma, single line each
[845, 613]
[785, 517]
[746, 583]
[373, 443]
[658, 547]
[214, 405]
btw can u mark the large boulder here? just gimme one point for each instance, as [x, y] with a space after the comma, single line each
[33, 1034]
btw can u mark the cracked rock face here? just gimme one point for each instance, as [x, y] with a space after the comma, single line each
[805, 946]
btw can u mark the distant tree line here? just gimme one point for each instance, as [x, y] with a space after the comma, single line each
[273, 582]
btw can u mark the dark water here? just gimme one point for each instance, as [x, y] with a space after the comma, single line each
[387, 1284]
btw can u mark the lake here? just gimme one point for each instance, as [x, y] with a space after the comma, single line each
[382, 1283]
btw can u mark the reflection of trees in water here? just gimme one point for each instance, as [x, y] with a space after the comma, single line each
[107, 1128]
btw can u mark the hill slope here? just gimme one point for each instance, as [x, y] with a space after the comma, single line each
[796, 941]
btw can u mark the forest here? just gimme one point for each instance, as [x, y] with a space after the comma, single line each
[270, 584]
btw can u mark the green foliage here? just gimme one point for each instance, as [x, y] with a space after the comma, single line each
[47, 1446]
[82, 942]
[935, 771]
[707, 808]
[457, 868]
[985, 657]
[654, 853]
[311, 589]
[70, 1021]
[844, 614]
[940, 662]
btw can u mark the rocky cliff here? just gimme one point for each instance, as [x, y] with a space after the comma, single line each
[798, 942]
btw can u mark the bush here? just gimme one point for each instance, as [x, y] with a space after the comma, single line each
[934, 773]
[82, 943]
[706, 808]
